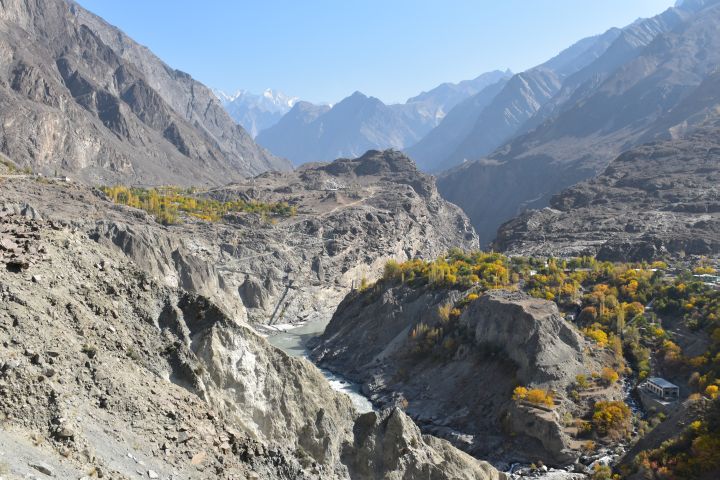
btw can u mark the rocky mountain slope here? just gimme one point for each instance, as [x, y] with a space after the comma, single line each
[619, 100]
[106, 372]
[464, 391]
[256, 112]
[620, 46]
[89, 101]
[496, 114]
[439, 101]
[431, 151]
[655, 200]
[358, 123]
[352, 215]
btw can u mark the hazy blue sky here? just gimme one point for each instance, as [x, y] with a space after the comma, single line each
[323, 50]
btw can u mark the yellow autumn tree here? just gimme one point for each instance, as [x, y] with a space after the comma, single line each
[712, 391]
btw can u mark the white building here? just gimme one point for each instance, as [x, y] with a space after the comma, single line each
[663, 389]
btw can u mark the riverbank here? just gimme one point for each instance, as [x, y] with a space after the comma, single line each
[293, 341]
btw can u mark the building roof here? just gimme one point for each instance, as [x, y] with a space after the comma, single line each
[662, 383]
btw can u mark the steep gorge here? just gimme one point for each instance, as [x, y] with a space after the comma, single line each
[113, 373]
[352, 216]
[462, 390]
[163, 313]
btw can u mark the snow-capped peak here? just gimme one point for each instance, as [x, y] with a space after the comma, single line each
[256, 111]
[267, 99]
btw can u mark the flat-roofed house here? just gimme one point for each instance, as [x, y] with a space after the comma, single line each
[662, 388]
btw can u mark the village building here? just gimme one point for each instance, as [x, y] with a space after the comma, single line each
[663, 389]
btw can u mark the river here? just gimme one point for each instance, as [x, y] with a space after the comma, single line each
[293, 341]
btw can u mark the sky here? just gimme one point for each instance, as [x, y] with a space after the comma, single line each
[324, 50]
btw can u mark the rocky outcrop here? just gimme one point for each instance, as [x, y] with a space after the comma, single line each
[112, 372]
[92, 103]
[391, 442]
[17, 236]
[462, 391]
[654, 201]
[533, 334]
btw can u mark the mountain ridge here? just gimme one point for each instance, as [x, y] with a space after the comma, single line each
[490, 120]
[653, 201]
[99, 106]
[612, 112]
[359, 123]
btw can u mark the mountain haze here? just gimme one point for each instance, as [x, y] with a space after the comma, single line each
[439, 101]
[672, 58]
[489, 121]
[359, 123]
[351, 127]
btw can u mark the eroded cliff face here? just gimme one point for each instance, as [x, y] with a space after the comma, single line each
[463, 390]
[353, 215]
[90, 102]
[108, 371]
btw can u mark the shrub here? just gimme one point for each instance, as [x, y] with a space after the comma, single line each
[393, 270]
[584, 428]
[575, 396]
[541, 397]
[611, 418]
[581, 381]
[601, 472]
[444, 311]
[164, 203]
[712, 391]
[520, 393]
[534, 395]
[596, 334]
[609, 376]
[132, 353]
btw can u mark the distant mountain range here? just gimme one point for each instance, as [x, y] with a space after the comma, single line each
[656, 78]
[439, 101]
[494, 115]
[359, 123]
[83, 98]
[256, 112]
